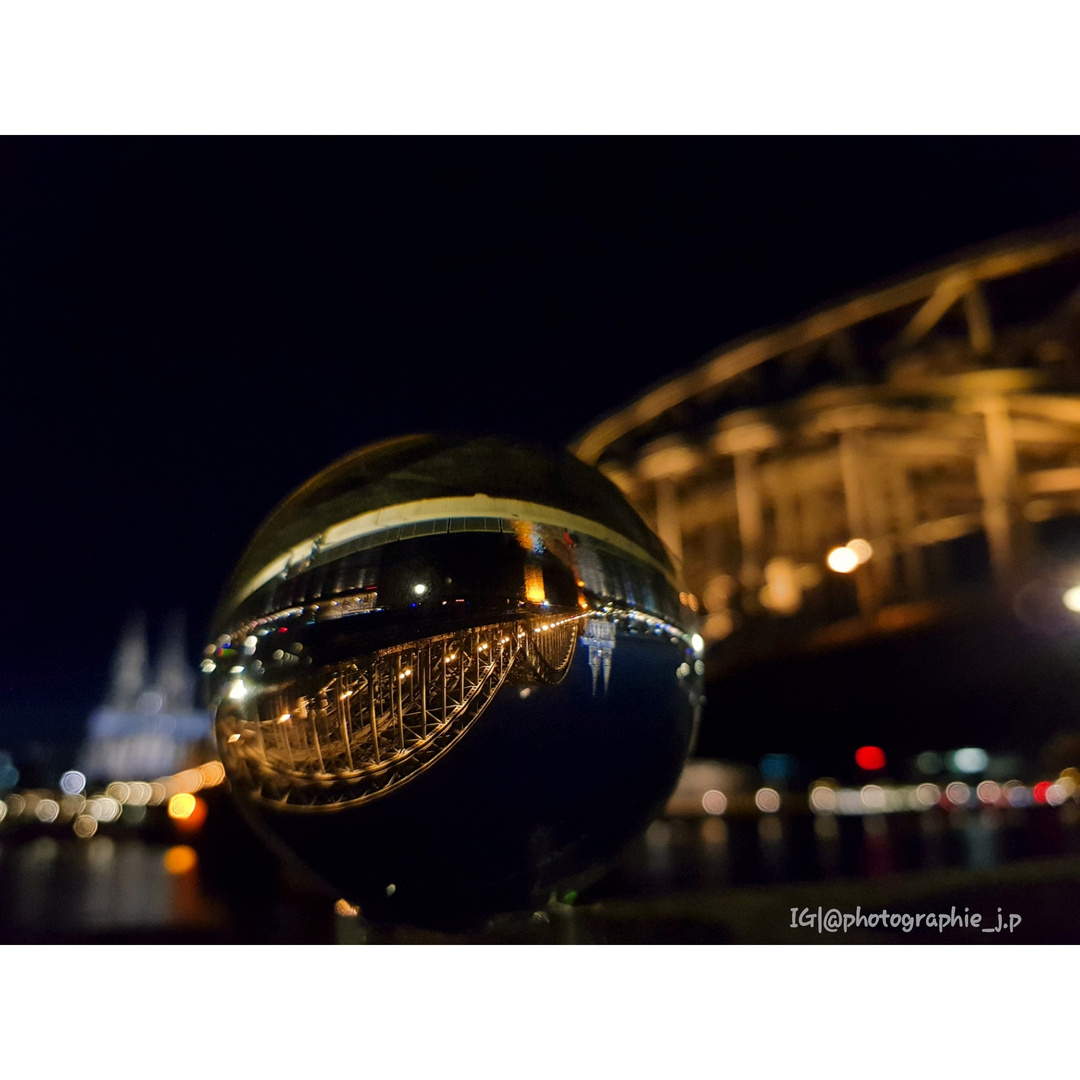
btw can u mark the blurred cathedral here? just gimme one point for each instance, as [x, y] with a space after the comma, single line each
[149, 725]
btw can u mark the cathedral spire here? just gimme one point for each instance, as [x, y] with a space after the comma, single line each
[129, 664]
[174, 680]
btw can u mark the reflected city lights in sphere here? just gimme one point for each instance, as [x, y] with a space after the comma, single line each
[468, 675]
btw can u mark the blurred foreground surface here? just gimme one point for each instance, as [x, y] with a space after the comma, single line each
[701, 880]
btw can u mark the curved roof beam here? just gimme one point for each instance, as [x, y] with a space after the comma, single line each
[948, 284]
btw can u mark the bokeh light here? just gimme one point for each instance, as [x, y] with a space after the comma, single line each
[1055, 795]
[182, 806]
[190, 781]
[861, 549]
[1016, 793]
[84, 827]
[103, 808]
[192, 822]
[842, 560]
[970, 759]
[870, 758]
[958, 793]
[72, 782]
[180, 859]
[928, 763]
[138, 793]
[873, 797]
[928, 794]
[212, 773]
[767, 800]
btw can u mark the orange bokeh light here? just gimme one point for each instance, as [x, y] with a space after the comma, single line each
[180, 859]
[193, 819]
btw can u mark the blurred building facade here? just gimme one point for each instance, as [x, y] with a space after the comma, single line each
[149, 725]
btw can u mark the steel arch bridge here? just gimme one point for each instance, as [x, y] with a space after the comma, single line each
[348, 734]
[941, 408]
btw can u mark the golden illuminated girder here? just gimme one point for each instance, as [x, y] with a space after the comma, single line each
[936, 291]
[348, 734]
[940, 407]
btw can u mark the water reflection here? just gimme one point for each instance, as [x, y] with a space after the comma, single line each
[66, 888]
[130, 888]
[777, 848]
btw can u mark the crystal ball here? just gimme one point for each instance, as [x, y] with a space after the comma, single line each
[454, 677]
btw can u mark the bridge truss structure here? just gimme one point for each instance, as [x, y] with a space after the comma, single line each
[941, 406]
[348, 734]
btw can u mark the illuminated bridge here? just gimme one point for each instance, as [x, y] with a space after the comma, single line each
[345, 735]
[935, 420]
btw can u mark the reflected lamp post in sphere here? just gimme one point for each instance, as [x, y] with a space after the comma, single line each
[453, 676]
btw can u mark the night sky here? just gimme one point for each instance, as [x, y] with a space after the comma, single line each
[189, 329]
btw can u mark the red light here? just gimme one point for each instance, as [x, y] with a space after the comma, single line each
[1040, 789]
[870, 758]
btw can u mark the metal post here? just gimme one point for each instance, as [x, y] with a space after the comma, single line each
[748, 508]
[371, 705]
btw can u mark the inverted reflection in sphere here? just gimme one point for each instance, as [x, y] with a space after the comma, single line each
[453, 676]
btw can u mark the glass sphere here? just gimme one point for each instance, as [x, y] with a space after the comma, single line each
[454, 677]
